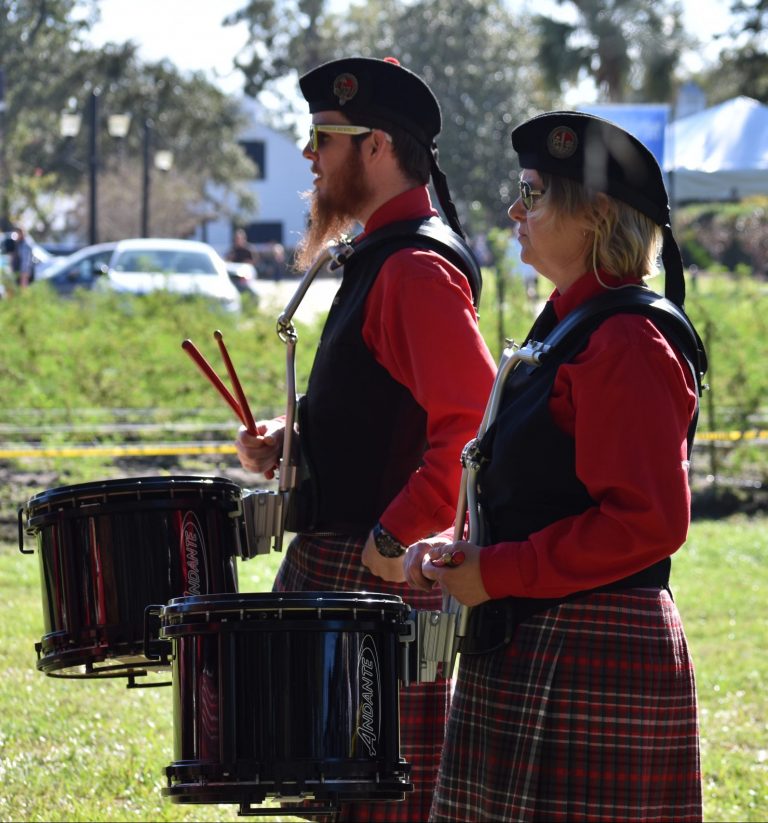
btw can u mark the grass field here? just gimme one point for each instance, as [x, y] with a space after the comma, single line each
[87, 750]
[91, 750]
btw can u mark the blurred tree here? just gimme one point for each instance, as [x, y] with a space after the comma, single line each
[174, 202]
[742, 68]
[48, 69]
[189, 117]
[286, 38]
[475, 54]
[37, 41]
[628, 48]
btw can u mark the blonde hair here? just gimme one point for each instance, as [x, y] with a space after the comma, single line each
[626, 243]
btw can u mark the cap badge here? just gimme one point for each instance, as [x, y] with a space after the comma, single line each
[345, 87]
[562, 142]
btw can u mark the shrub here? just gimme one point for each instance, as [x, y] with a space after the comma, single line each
[730, 234]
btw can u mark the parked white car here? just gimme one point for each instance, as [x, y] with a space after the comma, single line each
[143, 265]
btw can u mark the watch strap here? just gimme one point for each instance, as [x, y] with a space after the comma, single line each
[387, 544]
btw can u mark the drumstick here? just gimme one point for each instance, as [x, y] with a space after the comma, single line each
[206, 368]
[449, 559]
[248, 420]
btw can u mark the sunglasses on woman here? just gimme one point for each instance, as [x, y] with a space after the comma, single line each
[527, 194]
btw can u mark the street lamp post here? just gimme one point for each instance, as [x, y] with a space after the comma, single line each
[145, 178]
[163, 161]
[5, 221]
[93, 166]
[117, 125]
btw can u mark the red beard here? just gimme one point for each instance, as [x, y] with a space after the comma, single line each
[333, 213]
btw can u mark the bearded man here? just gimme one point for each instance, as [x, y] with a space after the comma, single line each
[400, 379]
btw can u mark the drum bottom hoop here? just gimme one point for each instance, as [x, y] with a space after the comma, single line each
[97, 660]
[257, 791]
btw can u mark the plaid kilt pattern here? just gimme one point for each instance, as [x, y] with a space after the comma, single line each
[333, 564]
[588, 715]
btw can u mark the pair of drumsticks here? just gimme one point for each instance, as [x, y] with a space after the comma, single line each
[243, 411]
[238, 404]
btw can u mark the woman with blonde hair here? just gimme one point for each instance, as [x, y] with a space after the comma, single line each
[575, 698]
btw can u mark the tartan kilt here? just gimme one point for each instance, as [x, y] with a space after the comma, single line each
[333, 564]
[589, 714]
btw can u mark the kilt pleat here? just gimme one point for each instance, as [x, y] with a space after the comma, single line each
[588, 715]
[333, 564]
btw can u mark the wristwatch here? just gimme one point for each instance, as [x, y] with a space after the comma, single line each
[386, 544]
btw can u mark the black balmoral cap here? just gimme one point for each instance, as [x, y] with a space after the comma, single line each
[608, 159]
[375, 93]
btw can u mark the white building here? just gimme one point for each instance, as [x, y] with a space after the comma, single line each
[280, 215]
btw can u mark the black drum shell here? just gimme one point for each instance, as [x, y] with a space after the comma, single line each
[109, 549]
[289, 695]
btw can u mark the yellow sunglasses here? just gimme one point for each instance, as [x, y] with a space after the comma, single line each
[316, 128]
[341, 128]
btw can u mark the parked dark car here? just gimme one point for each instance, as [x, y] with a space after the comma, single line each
[78, 270]
[62, 249]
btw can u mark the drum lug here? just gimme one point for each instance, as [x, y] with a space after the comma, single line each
[304, 810]
[133, 683]
[408, 636]
[154, 648]
[433, 645]
[21, 533]
[263, 521]
[408, 631]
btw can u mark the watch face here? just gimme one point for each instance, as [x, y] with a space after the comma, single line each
[390, 550]
[387, 545]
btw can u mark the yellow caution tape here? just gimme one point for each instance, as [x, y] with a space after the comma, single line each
[116, 451]
[160, 449]
[732, 436]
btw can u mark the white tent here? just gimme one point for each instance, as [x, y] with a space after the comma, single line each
[720, 153]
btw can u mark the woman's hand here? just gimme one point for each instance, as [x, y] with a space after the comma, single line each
[455, 567]
[260, 453]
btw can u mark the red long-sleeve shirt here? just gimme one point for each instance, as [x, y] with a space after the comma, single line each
[421, 327]
[627, 400]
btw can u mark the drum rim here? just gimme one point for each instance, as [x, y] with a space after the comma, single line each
[312, 600]
[151, 483]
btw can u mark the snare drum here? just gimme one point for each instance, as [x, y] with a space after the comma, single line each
[109, 549]
[291, 696]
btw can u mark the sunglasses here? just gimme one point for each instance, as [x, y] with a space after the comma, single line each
[527, 194]
[316, 129]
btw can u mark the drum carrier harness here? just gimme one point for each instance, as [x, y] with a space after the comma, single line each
[492, 624]
[267, 514]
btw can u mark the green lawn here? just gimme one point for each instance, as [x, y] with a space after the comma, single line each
[94, 750]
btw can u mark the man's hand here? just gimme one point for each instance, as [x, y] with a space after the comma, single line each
[387, 568]
[260, 453]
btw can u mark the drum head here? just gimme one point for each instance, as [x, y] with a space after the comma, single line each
[120, 489]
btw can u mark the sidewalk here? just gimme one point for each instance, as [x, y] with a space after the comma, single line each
[276, 294]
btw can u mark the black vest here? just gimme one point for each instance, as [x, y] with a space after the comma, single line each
[528, 478]
[362, 434]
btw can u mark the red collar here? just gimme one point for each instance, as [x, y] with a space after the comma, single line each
[586, 287]
[409, 205]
